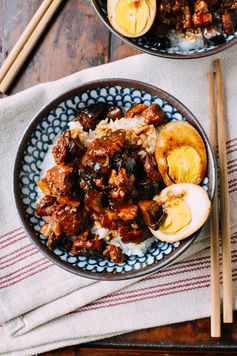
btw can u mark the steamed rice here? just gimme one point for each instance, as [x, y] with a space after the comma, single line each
[137, 132]
[130, 249]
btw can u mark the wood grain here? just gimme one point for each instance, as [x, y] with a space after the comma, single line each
[66, 46]
[189, 335]
[119, 50]
[214, 224]
[225, 204]
[134, 352]
[74, 40]
[24, 38]
[26, 43]
[189, 338]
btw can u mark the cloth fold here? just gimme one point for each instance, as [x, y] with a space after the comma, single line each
[44, 307]
[79, 298]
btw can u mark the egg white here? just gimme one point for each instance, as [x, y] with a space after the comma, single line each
[199, 204]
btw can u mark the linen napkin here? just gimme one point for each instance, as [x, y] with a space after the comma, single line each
[43, 307]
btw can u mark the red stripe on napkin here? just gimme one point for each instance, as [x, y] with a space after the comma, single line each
[11, 238]
[145, 298]
[30, 275]
[11, 232]
[230, 141]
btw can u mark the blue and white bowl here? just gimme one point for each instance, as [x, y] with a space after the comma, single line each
[145, 44]
[40, 135]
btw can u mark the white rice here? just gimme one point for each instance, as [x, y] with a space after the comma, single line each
[132, 249]
[113, 238]
[186, 42]
[137, 131]
[99, 230]
[48, 161]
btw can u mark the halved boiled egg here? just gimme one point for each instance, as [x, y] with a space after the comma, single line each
[186, 207]
[181, 154]
[131, 18]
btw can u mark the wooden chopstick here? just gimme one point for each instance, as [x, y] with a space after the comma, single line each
[24, 38]
[214, 225]
[27, 41]
[225, 207]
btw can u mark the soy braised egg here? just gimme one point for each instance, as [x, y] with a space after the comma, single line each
[131, 18]
[181, 154]
[186, 207]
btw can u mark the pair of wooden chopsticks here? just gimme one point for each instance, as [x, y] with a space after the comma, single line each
[26, 42]
[220, 139]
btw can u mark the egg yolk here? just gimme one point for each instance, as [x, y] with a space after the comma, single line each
[185, 165]
[132, 16]
[178, 216]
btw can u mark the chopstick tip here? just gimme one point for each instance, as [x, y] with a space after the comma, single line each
[217, 64]
[2, 90]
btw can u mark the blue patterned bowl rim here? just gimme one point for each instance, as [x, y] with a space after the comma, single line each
[159, 53]
[24, 142]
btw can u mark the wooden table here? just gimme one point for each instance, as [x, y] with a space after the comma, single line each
[76, 39]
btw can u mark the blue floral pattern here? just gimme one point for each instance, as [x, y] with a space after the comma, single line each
[45, 134]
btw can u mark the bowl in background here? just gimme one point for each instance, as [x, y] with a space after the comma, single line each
[152, 45]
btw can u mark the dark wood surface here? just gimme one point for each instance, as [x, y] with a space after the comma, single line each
[74, 40]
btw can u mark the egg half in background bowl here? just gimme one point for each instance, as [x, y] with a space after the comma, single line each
[132, 19]
[49, 124]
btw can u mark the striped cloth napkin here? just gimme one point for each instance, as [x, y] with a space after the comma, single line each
[43, 307]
